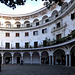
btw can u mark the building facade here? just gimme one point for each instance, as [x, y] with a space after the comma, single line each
[46, 36]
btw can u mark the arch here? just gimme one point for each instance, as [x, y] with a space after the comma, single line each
[59, 56]
[71, 47]
[35, 58]
[55, 12]
[17, 57]
[35, 21]
[8, 24]
[44, 18]
[7, 57]
[26, 57]
[27, 24]
[18, 24]
[45, 57]
[73, 55]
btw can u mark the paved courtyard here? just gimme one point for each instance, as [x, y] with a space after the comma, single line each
[36, 70]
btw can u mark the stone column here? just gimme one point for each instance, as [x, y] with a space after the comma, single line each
[2, 57]
[66, 60]
[69, 60]
[21, 55]
[52, 60]
[49, 60]
[12, 57]
[12, 60]
[40, 60]
[31, 56]
[31, 59]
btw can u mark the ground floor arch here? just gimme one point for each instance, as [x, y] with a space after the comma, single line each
[7, 58]
[26, 58]
[59, 57]
[17, 57]
[35, 58]
[73, 56]
[44, 57]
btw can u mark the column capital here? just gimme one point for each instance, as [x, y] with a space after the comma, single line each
[31, 53]
[2, 53]
[12, 53]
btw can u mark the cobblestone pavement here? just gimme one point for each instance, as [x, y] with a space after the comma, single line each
[37, 70]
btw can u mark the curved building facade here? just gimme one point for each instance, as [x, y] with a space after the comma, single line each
[46, 36]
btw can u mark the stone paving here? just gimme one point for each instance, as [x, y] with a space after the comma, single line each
[36, 70]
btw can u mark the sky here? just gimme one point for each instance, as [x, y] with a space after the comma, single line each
[29, 7]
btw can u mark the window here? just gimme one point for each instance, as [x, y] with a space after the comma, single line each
[28, 25]
[35, 44]
[44, 43]
[17, 34]
[58, 25]
[7, 45]
[58, 36]
[37, 23]
[47, 20]
[26, 44]
[35, 33]
[56, 15]
[44, 30]
[17, 45]
[7, 34]
[73, 15]
[18, 26]
[26, 34]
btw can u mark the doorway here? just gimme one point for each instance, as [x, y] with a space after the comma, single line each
[18, 60]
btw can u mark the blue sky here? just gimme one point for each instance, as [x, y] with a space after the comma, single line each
[30, 6]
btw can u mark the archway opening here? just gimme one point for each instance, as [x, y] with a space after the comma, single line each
[45, 57]
[35, 58]
[59, 57]
[17, 57]
[73, 56]
[7, 58]
[26, 58]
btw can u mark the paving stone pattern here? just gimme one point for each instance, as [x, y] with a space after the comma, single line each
[36, 70]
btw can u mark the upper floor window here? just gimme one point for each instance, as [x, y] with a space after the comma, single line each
[35, 32]
[7, 45]
[47, 20]
[17, 45]
[7, 34]
[58, 25]
[44, 30]
[17, 35]
[58, 36]
[28, 25]
[26, 34]
[35, 44]
[37, 23]
[18, 26]
[73, 15]
[56, 15]
[26, 44]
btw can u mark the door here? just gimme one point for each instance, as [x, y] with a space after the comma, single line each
[18, 60]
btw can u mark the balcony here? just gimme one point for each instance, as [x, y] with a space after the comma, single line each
[59, 28]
